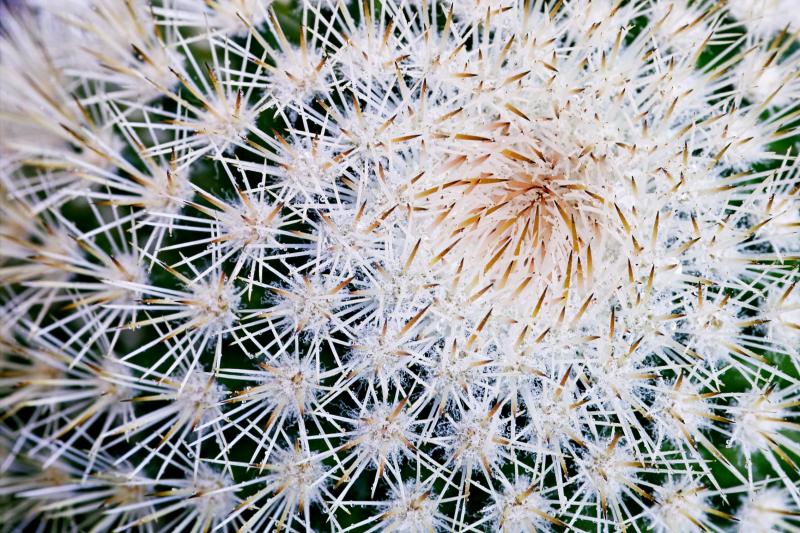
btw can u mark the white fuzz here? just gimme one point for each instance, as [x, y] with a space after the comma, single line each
[521, 508]
[765, 17]
[412, 510]
[767, 510]
[400, 265]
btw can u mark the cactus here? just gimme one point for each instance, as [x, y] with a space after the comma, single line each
[400, 265]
